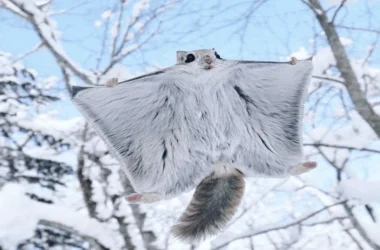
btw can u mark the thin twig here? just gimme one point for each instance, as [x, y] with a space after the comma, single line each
[275, 228]
[337, 11]
[35, 49]
[357, 28]
[342, 147]
[329, 79]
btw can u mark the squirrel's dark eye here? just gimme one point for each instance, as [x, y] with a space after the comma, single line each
[190, 58]
[217, 55]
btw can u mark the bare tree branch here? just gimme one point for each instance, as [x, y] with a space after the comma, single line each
[35, 49]
[328, 79]
[337, 11]
[342, 147]
[328, 221]
[363, 107]
[278, 227]
[357, 29]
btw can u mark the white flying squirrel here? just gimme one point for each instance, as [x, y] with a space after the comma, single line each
[204, 123]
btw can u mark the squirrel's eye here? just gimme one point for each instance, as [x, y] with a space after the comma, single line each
[190, 58]
[217, 55]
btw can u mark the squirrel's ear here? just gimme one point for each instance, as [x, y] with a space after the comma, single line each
[181, 56]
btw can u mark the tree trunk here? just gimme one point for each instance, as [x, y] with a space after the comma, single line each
[358, 97]
[148, 236]
[362, 106]
[84, 181]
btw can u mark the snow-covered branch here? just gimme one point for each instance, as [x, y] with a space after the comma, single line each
[44, 26]
[93, 241]
[13, 8]
[19, 217]
[363, 190]
[352, 84]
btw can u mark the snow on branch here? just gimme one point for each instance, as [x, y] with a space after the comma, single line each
[13, 8]
[135, 28]
[136, 24]
[316, 10]
[363, 190]
[20, 215]
[93, 241]
[45, 29]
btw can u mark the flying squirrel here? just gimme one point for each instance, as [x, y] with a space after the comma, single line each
[206, 123]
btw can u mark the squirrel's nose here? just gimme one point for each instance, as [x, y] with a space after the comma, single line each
[207, 59]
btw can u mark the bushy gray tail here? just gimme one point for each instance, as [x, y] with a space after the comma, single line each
[214, 202]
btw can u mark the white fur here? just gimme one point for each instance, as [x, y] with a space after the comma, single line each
[170, 130]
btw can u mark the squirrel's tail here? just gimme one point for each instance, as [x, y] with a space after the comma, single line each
[214, 202]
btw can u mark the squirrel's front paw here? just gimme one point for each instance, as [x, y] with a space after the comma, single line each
[112, 82]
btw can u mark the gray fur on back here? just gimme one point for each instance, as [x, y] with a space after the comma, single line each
[215, 202]
[169, 129]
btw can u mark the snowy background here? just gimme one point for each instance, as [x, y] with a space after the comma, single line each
[60, 188]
